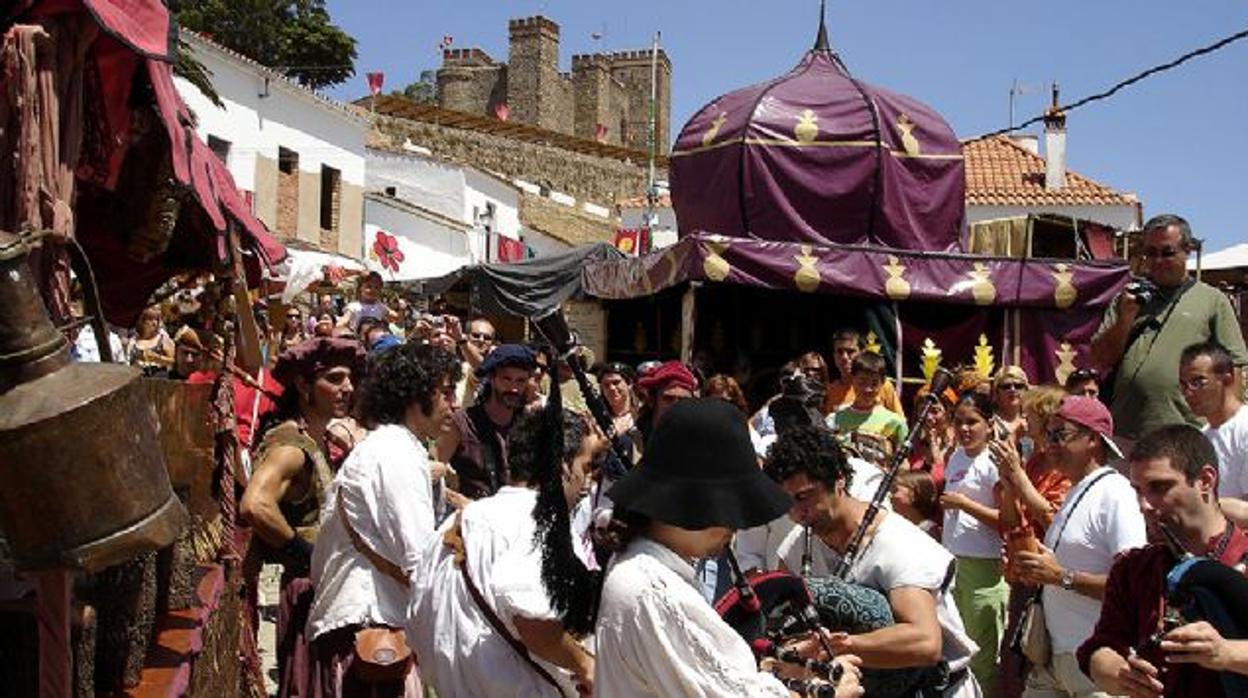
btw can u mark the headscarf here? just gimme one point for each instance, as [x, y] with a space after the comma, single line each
[315, 355]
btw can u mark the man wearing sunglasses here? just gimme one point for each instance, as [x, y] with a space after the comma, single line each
[1098, 520]
[1140, 339]
[478, 341]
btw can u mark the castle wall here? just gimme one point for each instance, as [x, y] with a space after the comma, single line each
[611, 89]
[586, 177]
[470, 81]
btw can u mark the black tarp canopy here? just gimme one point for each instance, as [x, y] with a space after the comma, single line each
[530, 288]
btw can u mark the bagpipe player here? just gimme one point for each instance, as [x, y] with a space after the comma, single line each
[656, 635]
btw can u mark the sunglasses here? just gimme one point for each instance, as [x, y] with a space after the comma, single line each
[1083, 374]
[1194, 383]
[1159, 252]
[1061, 436]
[480, 337]
[1013, 387]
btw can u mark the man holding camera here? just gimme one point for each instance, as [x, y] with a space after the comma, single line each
[1153, 319]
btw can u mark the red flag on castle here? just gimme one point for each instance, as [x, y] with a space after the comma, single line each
[375, 81]
[446, 42]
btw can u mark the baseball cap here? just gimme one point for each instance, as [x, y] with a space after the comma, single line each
[1091, 413]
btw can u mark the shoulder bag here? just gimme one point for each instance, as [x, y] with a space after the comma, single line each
[381, 652]
[1031, 637]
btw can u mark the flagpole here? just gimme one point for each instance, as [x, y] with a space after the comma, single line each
[652, 193]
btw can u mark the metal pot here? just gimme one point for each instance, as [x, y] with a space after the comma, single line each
[82, 478]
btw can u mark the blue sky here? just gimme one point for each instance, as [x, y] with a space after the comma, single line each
[1179, 140]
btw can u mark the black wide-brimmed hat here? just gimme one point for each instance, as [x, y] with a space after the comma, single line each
[699, 471]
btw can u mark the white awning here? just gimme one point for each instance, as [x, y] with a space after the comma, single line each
[302, 268]
[1233, 257]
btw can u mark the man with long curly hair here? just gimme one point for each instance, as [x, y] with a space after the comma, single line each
[379, 516]
[897, 560]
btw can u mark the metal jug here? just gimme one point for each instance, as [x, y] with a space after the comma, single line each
[82, 477]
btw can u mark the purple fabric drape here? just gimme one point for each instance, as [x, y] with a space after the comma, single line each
[817, 156]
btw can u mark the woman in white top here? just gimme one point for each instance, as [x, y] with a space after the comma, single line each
[656, 635]
[970, 533]
[377, 518]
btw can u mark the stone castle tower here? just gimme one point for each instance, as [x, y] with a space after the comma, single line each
[605, 98]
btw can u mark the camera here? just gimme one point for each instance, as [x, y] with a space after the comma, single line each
[1143, 289]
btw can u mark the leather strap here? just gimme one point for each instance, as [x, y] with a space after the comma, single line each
[495, 621]
[383, 565]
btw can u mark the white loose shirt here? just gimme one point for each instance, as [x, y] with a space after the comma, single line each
[658, 637]
[388, 500]
[1230, 442]
[1106, 522]
[757, 547]
[459, 651]
[900, 555]
[964, 535]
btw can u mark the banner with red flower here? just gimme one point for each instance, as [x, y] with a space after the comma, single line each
[387, 252]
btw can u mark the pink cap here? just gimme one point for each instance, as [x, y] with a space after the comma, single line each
[1093, 414]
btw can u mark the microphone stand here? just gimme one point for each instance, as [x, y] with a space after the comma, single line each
[940, 382]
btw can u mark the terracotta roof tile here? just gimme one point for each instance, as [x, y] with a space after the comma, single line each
[1000, 172]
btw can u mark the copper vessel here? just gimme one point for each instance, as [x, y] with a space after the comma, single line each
[82, 478]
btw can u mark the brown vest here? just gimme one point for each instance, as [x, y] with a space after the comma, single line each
[481, 457]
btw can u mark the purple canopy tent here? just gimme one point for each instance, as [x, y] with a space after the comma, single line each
[1049, 307]
[817, 183]
[817, 156]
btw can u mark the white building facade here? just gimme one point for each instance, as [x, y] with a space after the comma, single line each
[298, 154]
[438, 215]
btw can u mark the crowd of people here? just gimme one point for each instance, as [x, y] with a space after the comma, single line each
[429, 489]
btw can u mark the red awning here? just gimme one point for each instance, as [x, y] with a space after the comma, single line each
[134, 43]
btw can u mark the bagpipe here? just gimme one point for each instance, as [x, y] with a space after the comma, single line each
[773, 609]
[554, 327]
[1202, 588]
[770, 611]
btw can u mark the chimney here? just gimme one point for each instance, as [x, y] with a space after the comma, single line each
[1054, 146]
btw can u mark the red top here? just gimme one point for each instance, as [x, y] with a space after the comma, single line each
[1132, 611]
[245, 401]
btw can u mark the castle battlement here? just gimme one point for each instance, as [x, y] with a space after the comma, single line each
[637, 56]
[589, 60]
[604, 97]
[472, 55]
[533, 24]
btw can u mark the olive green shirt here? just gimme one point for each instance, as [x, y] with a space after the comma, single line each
[1146, 392]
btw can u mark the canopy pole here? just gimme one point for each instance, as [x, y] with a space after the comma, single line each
[688, 319]
[898, 347]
